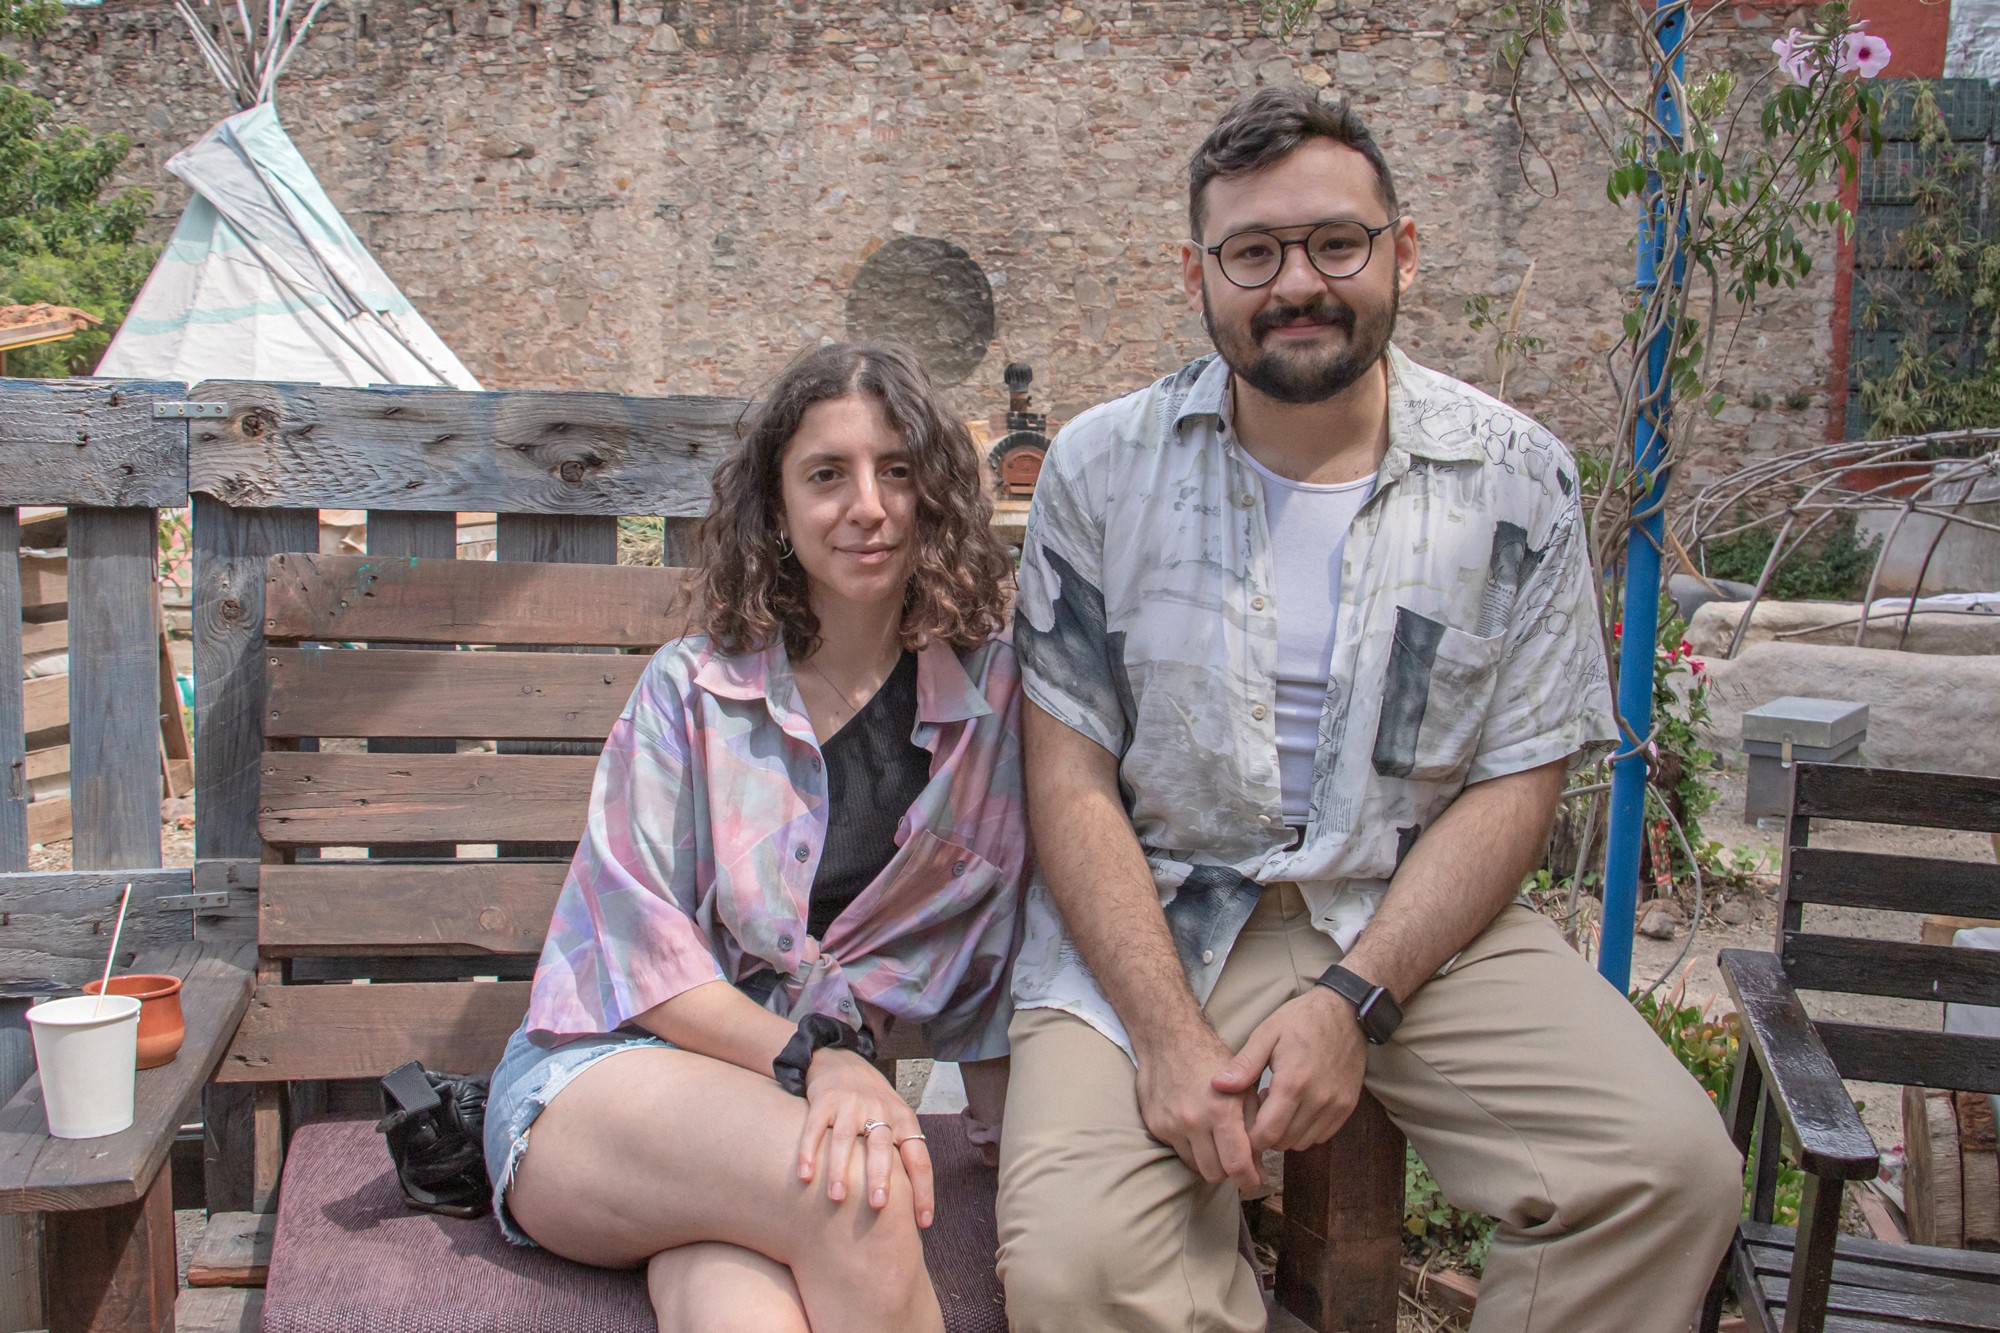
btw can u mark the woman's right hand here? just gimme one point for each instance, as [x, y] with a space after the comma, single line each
[843, 1093]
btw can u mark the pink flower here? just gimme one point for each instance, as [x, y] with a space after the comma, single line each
[1794, 51]
[1864, 54]
[1698, 665]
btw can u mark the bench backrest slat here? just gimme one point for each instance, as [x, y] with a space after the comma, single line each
[364, 800]
[295, 1032]
[363, 907]
[1876, 881]
[359, 599]
[502, 695]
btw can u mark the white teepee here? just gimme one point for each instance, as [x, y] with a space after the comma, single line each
[263, 279]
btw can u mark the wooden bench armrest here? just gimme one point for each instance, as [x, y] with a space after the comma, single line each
[1805, 1086]
[43, 1174]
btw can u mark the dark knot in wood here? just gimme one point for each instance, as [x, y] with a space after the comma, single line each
[254, 424]
[572, 471]
[231, 608]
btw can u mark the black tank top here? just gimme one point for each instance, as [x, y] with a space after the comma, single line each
[874, 773]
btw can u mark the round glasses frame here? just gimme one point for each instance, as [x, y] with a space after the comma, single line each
[1339, 225]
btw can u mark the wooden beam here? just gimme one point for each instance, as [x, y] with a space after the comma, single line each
[1338, 1266]
[49, 821]
[113, 1269]
[500, 907]
[91, 442]
[114, 687]
[448, 450]
[1888, 796]
[293, 1032]
[427, 537]
[47, 700]
[48, 763]
[48, 637]
[44, 580]
[360, 599]
[57, 924]
[235, 1251]
[359, 800]
[390, 692]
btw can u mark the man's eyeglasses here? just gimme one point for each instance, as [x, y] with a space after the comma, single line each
[1336, 249]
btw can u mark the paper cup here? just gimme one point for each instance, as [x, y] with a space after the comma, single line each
[87, 1051]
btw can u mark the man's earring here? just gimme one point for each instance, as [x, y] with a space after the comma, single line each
[784, 547]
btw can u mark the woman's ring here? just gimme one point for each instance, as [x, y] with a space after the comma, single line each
[871, 1126]
[909, 1138]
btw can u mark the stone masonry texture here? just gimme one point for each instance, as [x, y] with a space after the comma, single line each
[645, 198]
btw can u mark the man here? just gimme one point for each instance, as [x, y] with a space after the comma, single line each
[1310, 640]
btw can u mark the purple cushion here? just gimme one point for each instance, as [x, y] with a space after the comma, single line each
[349, 1256]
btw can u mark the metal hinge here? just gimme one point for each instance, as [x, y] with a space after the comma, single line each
[189, 411]
[190, 902]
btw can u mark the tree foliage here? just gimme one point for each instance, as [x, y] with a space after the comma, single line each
[62, 239]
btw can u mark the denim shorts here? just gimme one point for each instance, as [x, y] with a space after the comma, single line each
[528, 1079]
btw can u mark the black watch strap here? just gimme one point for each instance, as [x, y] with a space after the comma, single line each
[817, 1032]
[1374, 1006]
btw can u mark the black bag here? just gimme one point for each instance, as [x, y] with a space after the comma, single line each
[436, 1128]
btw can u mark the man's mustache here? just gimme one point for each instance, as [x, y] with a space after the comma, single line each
[1322, 311]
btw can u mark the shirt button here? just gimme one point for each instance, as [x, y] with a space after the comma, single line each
[801, 852]
[1265, 819]
[957, 868]
[847, 1006]
[1208, 955]
[1246, 499]
[1256, 603]
[1256, 712]
[784, 941]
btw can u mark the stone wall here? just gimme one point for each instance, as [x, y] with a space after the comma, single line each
[616, 194]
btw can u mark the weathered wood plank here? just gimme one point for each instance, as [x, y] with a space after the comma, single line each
[44, 581]
[57, 924]
[1920, 1259]
[358, 800]
[38, 1173]
[1888, 967]
[1894, 883]
[1921, 1059]
[91, 442]
[49, 637]
[47, 702]
[13, 702]
[444, 449]
[292, 1032]
[1888, 796]
[49, 763]
[361, 599]
[49, 821]
[230, 548]
[571, 539]
[114, 687]
[220, 1310]
[389, 692]
[176, 745]
[235, 1251]
[500, 907]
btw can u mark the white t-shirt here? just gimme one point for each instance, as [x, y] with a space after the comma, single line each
[1308, 532]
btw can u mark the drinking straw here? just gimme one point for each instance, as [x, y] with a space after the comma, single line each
[104, 985]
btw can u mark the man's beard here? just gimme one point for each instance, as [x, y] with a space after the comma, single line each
[1299, 376]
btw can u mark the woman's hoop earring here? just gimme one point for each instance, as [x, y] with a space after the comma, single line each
[784, 547]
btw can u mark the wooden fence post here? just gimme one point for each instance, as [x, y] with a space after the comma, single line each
[114, 688]
[20, 1248]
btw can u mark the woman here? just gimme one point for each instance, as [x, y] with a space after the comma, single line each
[806, 827]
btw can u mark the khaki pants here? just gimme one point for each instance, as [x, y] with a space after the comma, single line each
[1534, 1092]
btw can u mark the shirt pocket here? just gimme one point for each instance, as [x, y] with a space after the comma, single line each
[930, 880]
[1435, 694]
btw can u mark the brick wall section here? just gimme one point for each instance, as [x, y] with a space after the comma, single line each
[620, 195]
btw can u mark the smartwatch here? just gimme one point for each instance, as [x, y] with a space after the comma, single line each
[1375, 1009]
[817, 1032]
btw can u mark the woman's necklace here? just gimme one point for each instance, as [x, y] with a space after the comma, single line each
[844, 699]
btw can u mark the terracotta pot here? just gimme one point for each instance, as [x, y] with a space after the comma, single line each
[160, 1025]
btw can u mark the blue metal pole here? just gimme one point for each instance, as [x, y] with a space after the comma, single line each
[1641, 600]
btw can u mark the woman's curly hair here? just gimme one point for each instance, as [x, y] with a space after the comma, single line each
[745, 592]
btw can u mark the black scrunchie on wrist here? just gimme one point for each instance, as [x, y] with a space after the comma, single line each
[817, 1032]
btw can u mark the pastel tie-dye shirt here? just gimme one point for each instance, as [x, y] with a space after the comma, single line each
[707, 818]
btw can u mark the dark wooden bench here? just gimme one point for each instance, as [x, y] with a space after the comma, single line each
[1790, 1065]
[447, 944]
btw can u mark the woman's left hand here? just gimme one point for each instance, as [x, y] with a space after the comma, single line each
[843, 1093]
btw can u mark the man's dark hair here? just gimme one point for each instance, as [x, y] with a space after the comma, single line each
[1269, 125]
